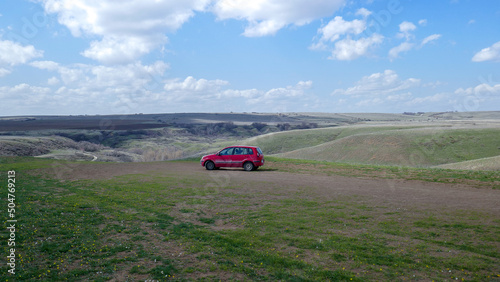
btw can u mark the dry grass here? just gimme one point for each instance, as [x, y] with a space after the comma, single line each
[492, 163]
[161, 154]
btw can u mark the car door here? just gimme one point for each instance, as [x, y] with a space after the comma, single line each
[239, 156]
[225, 158]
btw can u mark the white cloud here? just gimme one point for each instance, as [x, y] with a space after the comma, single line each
[130, 88]
[338, 27]
[266, 17]
[369, 103]
[4, 72]
[430, 38]
[478, 98]
[45, 65]
[406, 26]
[263, 28]
[134, 76]
[350, 49]
[403, 47]
[399, 97]
[363, 12]
[23, 96]
[405, 29]
[191, 89]
[117, 49]
[349, 43]
[283, 93]
[127, 29]
[387, 92]
[491, 53]
[289, 98]
[191, 94]
[430, 100]
[434, 84]
[190, 84]
[12, 53]
[482, 89]
[53, 81]
[383, 84]
[90, 89]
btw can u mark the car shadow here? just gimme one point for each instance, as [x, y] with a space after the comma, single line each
[240, 169]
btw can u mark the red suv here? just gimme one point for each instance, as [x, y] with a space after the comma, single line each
[247, 157]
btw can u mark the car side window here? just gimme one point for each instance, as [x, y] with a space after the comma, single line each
[245, 151]
[239, 151]
[226, 152]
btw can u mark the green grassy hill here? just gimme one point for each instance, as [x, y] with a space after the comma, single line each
[492, 163]
[384, 145]
[283, 142]
[280, 142]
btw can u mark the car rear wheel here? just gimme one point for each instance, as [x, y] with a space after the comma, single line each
[210, 165]
[248, 166]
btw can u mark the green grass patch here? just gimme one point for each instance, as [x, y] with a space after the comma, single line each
[487, 179]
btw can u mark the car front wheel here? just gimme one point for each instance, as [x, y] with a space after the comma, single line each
[209, 165]
[248, 166]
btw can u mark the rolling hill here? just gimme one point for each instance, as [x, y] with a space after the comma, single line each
[491, 163]
[385, 145]
[445, 139]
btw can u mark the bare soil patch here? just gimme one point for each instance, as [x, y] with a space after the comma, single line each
[271, 181]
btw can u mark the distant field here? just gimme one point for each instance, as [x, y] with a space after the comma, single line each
[410, 139]
[71, 123]
[146, 121]
[140, 121]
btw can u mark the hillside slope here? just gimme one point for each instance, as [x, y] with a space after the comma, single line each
[283, 142]
[492, 163]
[418, 147]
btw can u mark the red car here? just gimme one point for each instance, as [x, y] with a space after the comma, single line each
[247, 157]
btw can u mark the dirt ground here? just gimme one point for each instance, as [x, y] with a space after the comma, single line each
[392, 193]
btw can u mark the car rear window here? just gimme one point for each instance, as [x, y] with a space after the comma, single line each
[243, 151]
[260, 151]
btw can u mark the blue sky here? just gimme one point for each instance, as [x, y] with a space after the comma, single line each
[63, 57]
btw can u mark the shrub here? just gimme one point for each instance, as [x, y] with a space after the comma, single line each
[259, 126]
